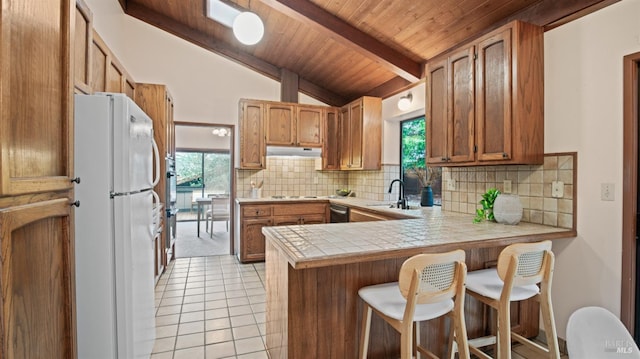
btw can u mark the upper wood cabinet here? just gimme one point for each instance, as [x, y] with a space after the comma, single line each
[331, 136]
[486, 100]
[279, 124]
[251, 133]
[288, 124]
[361, 134]
[309, 126]
[82, 48]
[107, 73]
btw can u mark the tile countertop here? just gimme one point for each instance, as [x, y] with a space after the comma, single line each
[428, 230]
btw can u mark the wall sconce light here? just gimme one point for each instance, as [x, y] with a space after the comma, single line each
[221, 132]
[247, 26]
[405, 102]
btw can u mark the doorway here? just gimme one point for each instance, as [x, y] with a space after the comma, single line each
[630, 290]
[204, 170]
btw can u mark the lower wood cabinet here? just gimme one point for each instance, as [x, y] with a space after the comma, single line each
[358, 215]
[251, 241]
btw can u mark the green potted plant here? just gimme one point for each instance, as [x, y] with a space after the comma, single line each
[486, 212]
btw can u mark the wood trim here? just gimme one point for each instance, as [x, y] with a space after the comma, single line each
[232, 179]
[629, 188]
[319, 19]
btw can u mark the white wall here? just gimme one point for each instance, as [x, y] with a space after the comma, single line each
[196, 137]
[583, 113]
[392, 117]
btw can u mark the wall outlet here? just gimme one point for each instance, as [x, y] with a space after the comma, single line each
[607, 191]
[451, 185]
[557, 189]
[506, 186]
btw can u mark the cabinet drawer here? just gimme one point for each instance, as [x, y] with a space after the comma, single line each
[299, 209]
[256, 211]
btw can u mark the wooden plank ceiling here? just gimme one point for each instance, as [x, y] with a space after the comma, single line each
[344, 49]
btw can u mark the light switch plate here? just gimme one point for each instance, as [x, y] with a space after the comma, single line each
[451, 185]
[607, 192]
[557, 189]
[506, 186]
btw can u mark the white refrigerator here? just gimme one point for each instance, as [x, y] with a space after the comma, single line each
[114, 227]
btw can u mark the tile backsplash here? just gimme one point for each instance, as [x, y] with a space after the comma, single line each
[531, 183]
[297, 176]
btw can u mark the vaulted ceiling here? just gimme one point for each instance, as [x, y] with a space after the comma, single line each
[339, 50]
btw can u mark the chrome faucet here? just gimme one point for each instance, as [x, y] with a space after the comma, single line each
[402, 202]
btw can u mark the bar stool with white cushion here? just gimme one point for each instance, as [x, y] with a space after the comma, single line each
[425, 290]
[521, 268]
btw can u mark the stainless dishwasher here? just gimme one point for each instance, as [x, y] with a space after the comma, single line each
[339, 213]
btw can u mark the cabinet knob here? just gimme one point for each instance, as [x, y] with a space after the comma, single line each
[76, 180]
[505, 155]
[257, 212]
[75, 203]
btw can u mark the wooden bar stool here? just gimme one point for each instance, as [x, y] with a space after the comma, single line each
[521, 267]
[425, 290]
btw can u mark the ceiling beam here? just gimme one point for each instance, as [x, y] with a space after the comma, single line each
[330, 25]
[198, 38]
[390, 87]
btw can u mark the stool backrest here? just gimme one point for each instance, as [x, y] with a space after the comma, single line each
[527, 263]
[433, 277]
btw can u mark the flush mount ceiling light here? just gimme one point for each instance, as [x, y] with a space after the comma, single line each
[405, 102]
[221, 132]
[247, 26]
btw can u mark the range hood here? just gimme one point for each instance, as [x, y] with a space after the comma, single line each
[293, 151]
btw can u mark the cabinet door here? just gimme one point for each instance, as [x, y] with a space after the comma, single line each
[114, 78]
[437, 119]
[461, 109]
[82, 48]
[99, 63]
[36, 82]
[38, 315]
[252, 244]
[290, 220]
[313, 219]
[493, 97]
[280, 125]
[309, 126]
[356, 131]
[345, 137]
[252, 146]
[331, 140]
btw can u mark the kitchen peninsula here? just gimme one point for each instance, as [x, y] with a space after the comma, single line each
[315, 271]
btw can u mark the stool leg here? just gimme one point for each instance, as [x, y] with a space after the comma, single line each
[504, 331]
[364, 332]
[406, 341]
[460, 329]
[549, 324]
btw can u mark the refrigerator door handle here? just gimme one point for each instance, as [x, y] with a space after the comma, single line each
[156, 154]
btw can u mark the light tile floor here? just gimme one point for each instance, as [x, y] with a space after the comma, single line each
[214, 307]
[210, 307]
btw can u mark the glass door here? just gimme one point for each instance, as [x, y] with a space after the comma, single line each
[200, 175]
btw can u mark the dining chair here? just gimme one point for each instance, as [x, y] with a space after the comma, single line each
[219, 211]
[595, 333]
[425, 290]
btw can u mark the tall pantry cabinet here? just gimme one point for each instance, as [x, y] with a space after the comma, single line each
[157, 102]
[36, 171]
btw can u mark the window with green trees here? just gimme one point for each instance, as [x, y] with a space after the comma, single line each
[413, 169]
